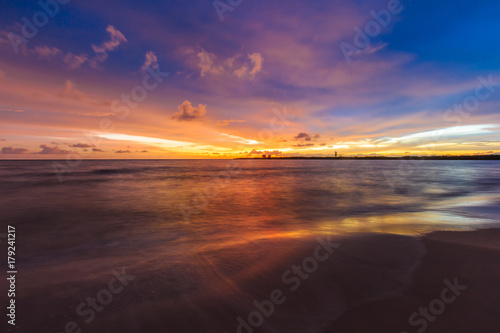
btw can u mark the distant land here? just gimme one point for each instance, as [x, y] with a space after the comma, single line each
[409, 157]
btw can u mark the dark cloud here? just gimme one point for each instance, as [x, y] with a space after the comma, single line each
[123, 151]
[303, 136]
[304, 145]
[98, 150]
[266, 152]
[52, 150]
[306, 136]
[82, 145]
[188, 113]
[10, 150]
[144, 151]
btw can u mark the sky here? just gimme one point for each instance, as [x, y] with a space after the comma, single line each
[239, 78]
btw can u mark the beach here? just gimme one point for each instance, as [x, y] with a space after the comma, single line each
[357, 283]
[472, 258]
[237, 166]
[259, 246]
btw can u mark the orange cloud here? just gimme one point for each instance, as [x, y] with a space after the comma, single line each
[188, 113]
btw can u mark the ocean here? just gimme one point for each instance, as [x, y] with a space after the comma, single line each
[226, 245]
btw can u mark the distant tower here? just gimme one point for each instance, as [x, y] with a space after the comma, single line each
[336, 154]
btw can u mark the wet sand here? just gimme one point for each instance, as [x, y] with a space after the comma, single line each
[218, 288]
[473, 258]
[370, 283]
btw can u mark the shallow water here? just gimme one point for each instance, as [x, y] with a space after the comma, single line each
[205, 238]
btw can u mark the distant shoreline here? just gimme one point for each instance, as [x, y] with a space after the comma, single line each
[446, 158]
[417, 158]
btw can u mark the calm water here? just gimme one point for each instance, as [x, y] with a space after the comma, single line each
[205, 238]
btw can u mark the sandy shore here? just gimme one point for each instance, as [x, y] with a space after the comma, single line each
[368, 282]
[469, 262]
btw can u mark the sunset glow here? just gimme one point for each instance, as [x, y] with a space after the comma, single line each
[139, 85]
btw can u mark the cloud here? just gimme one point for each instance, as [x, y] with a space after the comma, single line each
[52, 150]
[187, 112]
[441, 134]
[239, 139]
[69, 91]
[304, 145]
[207, 63]
[151, 60]
[11, 110]
[123, 151]
[370, 49]
[229, 121]
[97, 150]
[256, 61]
[10, 150]
[3, 140]
[307, 137]
[265, 152]
[242, 72]
[47, 52]
[81, 145]
[144, 151]
[74, 61]
[101, 51]
[210, 63]
[303, 136]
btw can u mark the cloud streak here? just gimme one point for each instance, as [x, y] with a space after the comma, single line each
[10, 150]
